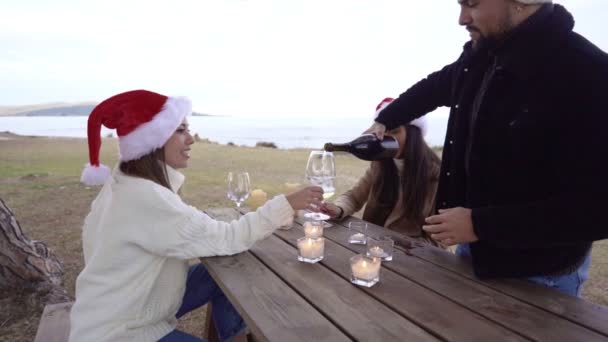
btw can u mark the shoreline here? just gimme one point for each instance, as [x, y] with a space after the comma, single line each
[8, 135]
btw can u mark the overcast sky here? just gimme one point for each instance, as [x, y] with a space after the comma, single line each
[237, 57]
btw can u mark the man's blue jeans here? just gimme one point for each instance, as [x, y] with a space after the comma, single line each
[570, 283]
[201, 289]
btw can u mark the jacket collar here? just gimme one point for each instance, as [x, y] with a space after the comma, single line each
[176, 178]
[530, 44]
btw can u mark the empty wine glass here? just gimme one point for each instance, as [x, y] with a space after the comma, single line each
[238, 187]
[321, 171]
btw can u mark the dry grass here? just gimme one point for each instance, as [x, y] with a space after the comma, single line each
[39, 181]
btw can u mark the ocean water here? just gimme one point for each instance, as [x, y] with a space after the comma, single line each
[284, 132]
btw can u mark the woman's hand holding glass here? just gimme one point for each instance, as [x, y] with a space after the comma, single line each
[305, 198]
[330, 209]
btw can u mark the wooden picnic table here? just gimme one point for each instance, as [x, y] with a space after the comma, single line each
[424, 294]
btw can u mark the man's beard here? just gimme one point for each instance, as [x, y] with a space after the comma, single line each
[486, 42]
[494, 39]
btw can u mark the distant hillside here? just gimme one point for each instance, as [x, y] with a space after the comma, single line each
[56, 109]
[61, 111]
[48, 109]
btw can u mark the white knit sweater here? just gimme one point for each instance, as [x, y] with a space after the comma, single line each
[137, 240]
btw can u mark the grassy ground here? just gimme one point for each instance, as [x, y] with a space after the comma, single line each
[39, 181]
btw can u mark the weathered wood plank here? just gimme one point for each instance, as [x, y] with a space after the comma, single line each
[425, 308]
[517, 315]
[577, 310]
[54, 323]
[365, 318]
[272, 310]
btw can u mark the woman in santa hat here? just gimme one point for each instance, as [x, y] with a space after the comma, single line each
[139, 235]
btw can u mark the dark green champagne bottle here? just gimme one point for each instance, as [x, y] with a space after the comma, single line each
[367, 147]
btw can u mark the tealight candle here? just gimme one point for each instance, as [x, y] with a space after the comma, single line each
[376, 252]
[357, 238]
[310, 250]
[364, 271]
[357, 232]
[313, 229]
[381, 247]
[257, 198]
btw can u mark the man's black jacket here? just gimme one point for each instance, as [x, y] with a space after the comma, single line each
[534, 166]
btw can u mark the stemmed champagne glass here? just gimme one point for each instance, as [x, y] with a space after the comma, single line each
[321, 171]
[238, 187]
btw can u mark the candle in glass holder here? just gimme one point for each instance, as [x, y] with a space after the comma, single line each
[381, 247]
[357, 231]
[310, 250]
[257, 198]
[365, 271]
[313, 229]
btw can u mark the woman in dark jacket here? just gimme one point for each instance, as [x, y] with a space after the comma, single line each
[397, 193]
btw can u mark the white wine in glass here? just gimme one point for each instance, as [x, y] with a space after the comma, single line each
[238, 187]
[321, 171]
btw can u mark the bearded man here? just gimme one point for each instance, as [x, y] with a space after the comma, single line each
[524, 178]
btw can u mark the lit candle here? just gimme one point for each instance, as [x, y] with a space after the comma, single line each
[313, 230]
[365, 268]
[376, 251]
[357, 238]
[311, 250]
[257, 199]
[380, 247]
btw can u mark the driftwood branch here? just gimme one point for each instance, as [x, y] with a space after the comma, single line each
[28, 266]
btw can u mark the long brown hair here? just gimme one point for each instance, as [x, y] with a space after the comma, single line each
[420, 165]
[150, 166]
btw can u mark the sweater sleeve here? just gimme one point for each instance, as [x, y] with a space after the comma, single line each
[354, 199]
[423, 97]
[184, 232]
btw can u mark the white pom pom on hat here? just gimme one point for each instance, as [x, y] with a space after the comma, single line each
[143, 120]
[419, 122]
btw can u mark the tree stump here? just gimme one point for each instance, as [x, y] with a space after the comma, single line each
[28, 268]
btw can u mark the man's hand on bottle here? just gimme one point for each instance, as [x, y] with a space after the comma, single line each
[376, 129]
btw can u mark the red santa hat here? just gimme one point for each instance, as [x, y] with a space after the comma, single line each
[143, 120]
[420, 122]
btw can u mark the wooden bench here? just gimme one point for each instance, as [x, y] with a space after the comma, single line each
[55, 323]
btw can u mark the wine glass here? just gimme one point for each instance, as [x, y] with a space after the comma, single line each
[321, 171]
[238, 187]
